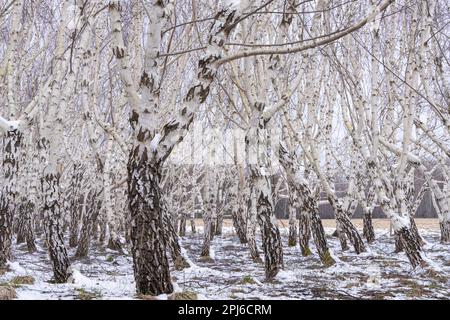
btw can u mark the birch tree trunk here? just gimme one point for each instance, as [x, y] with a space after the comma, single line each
[75, 207]
[179, 261]
[183, 214]
[28, 197]
[54, 237]
[11, 142]
[368, 231]
[114, 242]
[11, 146]
[256, 143]
[292, 238]
[50, 144]
[251, 227]
[148, 239]
[220, 208]
[207, 215]
[309, 206]
[239, 197]
[304, 225]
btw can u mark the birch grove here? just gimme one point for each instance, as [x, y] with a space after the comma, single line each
[137, 126]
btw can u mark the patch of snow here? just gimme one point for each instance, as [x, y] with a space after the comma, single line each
[80, 279]
[374, 276]
[17, 269]
[212, 253]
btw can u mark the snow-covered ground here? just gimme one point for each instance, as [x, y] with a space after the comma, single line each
[377, 274]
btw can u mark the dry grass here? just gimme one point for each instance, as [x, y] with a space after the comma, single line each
[427, 224]
[7, 292]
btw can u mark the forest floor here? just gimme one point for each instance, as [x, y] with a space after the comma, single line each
[230, 274]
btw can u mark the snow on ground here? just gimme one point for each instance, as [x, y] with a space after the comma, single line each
[377, 274]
